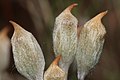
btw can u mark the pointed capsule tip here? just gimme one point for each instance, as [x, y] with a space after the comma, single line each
[100, 16]
[57, 59]
[71, 6]
[104, 13]
[14, 24]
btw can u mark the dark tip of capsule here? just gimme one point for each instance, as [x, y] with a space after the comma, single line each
[69, 8]
[57, 59]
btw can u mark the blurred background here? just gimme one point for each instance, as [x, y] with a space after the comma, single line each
[37, 16]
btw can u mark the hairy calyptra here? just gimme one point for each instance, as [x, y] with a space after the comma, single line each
[54, 72]
[28, 56]
[65, 37]
[90, 45]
